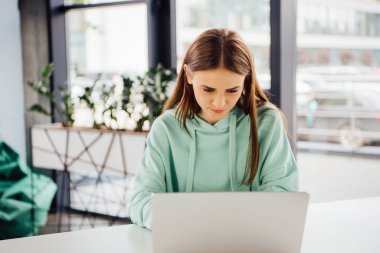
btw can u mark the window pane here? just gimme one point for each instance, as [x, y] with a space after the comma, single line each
[71, 2]
[196, 16]
[338, 98]
[106, 41]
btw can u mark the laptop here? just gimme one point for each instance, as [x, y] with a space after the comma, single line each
[233, 222]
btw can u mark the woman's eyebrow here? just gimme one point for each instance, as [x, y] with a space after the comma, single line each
[210, 88]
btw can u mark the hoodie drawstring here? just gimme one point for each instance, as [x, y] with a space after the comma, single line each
[232, 153]
[232, 146]
[191, 165]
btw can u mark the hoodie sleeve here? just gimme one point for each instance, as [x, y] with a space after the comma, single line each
[277, 166]
[150, 177]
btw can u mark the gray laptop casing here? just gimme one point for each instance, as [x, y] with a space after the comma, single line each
[239, 222]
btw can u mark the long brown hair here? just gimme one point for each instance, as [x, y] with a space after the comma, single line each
[213, 49]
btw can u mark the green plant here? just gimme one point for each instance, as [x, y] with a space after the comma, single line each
[147, 91]
[126, 104]
[65, 107]
[155, 88]
[141, 98]
[110, 103]
[87, 99]
[42, 87]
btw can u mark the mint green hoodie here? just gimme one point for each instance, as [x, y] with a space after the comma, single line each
[212, 160]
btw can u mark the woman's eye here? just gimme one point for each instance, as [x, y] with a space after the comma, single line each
[211, 90]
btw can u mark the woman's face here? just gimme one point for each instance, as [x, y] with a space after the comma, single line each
[216, 91]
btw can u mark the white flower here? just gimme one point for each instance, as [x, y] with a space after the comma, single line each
[83, 117]
[131, 124]
[146, 125]
[145, 112]
[136, 116]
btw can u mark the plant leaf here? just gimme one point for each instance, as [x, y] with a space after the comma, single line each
[47, 71]
[40, 109]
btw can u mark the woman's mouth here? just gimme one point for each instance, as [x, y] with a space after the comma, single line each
[218, 110]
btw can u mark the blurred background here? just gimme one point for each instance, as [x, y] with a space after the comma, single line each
[320, 60]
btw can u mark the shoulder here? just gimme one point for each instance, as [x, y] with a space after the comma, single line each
[268, 112]
[165, 123]
[270, 120]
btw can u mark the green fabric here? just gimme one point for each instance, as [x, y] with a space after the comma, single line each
[213, 159]
[25, 197]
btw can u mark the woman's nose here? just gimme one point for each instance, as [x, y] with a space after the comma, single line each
[219, 102]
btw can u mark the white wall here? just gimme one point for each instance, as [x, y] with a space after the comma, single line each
[12, 124]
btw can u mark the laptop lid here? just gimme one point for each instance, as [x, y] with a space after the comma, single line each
[238, 222]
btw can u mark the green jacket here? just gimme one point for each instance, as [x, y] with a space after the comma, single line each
[213, 159]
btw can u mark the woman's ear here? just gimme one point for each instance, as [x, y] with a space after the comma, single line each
[189, 76]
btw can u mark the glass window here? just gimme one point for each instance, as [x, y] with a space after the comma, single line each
[71, 2]
[102, 44]
[338, 98]
[327, 103]
[338, 18]
[106, 41]
[196, 16]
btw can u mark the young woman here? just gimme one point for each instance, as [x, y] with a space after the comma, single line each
[218, 131]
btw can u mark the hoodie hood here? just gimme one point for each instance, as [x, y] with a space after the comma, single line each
[199, 125]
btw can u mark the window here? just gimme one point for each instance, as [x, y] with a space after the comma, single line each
[106, 41]
[196, 16]
[103, 40]
[72, 2]
[338, 98]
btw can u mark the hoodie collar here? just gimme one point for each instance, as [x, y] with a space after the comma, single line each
[201, 125]
[198, 124]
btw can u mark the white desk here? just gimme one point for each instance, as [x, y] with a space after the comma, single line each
[351, 226]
